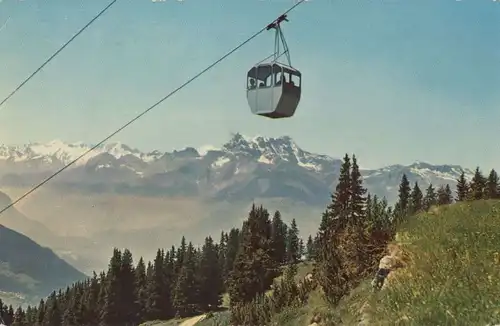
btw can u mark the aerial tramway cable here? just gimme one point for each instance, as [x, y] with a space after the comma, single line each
[57, 52]
[189, 81]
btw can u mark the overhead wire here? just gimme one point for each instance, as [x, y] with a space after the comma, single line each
[189, 81]
[57, 52]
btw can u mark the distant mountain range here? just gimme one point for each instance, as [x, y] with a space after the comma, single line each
[243, 169]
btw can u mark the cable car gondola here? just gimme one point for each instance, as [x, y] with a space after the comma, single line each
[274, 88]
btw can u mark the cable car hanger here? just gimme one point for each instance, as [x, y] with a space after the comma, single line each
[279, 36]
[274, 88]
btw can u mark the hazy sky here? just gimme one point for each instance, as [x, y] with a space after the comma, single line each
[392, 81]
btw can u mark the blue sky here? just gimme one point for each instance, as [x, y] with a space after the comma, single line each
[392, 81]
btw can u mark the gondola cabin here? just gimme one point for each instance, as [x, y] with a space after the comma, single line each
[273, 90]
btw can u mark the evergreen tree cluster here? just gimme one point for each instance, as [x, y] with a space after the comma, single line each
[264, 248]
[356, 226]
[179, 282]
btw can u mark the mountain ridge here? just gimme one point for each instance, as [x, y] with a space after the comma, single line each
[243, 168]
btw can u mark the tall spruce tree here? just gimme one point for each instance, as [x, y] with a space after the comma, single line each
[357, 200]
[401, 208]
[293, 248]
[477, 185]
[279, 239]
[430, 198]
[492, 186]
[111, 309]
[462, 188]
[416, 200]
[210, 277]
[254, 268]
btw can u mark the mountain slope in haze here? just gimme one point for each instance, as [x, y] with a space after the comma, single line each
[243, 169]
[28, 268]
[65, 246]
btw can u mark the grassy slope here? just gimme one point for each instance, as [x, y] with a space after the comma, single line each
[452, 276]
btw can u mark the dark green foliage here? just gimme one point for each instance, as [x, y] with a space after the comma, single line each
[293, 244]
[279, 239]
[477, 186]
[401, 209]
[462, 188]
[430, 198]
[492, 190]
[357, 199]
[444, 195]
[233, 244]
[210, 277]
[310, 249]
[254, 268]
[417, 200]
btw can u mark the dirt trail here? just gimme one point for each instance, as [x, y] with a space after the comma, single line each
[192, 321]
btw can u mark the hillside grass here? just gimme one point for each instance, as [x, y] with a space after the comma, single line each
[453, 272]
[451, 276]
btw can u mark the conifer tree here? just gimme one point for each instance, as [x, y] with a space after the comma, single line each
[233, 244]
[416, 197]
[402, 206]
[155, 283]
[53, 315]
[19, 318]
[279, 239]
[184, 296]
[310, 249]
[444, 195]
[477, 186]
[254, 269]
[210, 277]
[127, 290]
[357, 194]
[293, 244]
[140, 289]
[492, 186]
[430, 198]
[111, 309]
[462, 188]
[338, 210]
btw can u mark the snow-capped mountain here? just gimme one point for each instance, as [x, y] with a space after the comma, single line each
[244, 168]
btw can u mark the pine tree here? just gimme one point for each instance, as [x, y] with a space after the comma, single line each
[184, 296]
[357, 194]
[278, 238]
[402, 206]
[210, 277]
[310, 249]
[430, 198]
[128, 299]
[416, 197]
[462, 188]
[111, 309]
[233, 244]
[141, 290]
[254, 270]
[339, 208]
[155, 283]
[444, 195]
[293, 244]
[53, 316]
[492, 186]
[19, 318]
[477, 186]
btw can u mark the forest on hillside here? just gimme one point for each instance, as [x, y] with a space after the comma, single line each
[244, 263]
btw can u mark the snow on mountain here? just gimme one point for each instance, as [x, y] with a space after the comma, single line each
[67, 152]
[242, 168]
